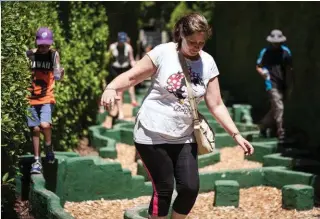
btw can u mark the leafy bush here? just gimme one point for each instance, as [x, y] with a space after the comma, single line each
[20, 21]
[82, 55]
[180, 10]
[183, 8]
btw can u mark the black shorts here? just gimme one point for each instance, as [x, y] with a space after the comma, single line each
[114, 72]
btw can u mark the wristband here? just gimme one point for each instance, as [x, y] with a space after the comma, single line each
[235, 134]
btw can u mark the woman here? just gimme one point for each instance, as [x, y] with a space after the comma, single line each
[122, 52]
[123, 60]
[163, 132]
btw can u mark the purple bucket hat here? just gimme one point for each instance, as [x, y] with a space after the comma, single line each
[44, 36]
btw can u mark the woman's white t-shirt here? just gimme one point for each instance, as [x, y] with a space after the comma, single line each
[165, 114]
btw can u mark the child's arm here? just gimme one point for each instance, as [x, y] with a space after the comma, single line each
[57, 64]
[30, 53]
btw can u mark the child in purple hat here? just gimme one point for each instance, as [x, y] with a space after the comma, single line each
[46, 69]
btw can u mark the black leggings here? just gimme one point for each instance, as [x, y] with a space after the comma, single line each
[164, 162]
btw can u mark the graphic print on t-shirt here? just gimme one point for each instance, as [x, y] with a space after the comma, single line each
[176, 85]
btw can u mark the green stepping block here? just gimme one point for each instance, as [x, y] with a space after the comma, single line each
[135, 111]
[226, 193]
[297, 196]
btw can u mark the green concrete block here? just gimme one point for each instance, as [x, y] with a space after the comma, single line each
[203, 109]
[92, 178]
[113, 134]
[230, 110]
[135, 111]
[261, 149]
[278, 178]
[299, 197]
[245, 177]
[295, 163]
[127, 136]
[46, 203]
[141, 170]
[315, 183]
[219, 130]
[203, 160]
[277, 160]
[97, 140]
[126, 125]
[208, 159]
[207, 115]
[246, 127]
[107, 152]
[224, 139]
[100, 117]
[139, 212]
[141, 92]
[202, 103]
[126, 97]
[239, 110]
[257, 138]
[122, 122]
[105, 145]
[67, 154]
[226, 193]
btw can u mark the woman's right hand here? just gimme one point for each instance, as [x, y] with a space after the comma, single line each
[108, 99]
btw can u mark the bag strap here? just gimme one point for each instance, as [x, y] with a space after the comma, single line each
[193, 104]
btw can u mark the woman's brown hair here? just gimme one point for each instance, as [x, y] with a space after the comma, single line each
[188, 25]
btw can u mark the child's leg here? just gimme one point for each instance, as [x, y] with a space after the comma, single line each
[34, 123]
[36, 141]
[46, 121]
[110, 118]
[120, 106]
[46, 130]
[133, 96]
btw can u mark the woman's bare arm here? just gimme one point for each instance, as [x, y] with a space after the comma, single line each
[217, 108]
[220, 112]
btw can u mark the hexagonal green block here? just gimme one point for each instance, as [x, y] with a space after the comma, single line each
[226, 193]
[297, 196]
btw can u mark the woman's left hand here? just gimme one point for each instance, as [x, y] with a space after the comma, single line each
[244, 144]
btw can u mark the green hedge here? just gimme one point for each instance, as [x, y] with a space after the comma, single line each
[82, 56]
[81, 39]
[20, 21]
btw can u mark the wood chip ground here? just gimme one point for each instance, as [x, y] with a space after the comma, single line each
[255, 203]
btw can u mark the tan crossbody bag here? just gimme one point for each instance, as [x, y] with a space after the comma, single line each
[203, 133]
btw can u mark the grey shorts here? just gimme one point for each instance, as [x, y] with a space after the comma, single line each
[40, 113]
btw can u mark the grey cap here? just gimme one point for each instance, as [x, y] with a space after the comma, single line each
[276, 36]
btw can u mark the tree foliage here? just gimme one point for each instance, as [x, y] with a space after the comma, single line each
[82, 46]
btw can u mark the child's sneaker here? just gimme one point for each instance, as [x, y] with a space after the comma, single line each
[49, 154]
[36, 167]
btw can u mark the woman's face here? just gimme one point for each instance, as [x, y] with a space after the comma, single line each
[192, 44]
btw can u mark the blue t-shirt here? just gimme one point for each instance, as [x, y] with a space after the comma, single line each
[277, 61]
